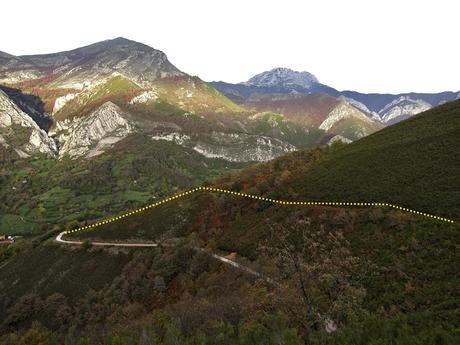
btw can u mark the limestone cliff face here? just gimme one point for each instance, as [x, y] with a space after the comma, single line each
[92, 135]
[80, 137]
[342, 111]
[347, 121]
[21, 132]
[61, 101]
[233, 147]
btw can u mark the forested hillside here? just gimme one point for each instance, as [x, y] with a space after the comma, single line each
[326, 275]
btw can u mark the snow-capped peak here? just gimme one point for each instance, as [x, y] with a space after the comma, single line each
[283, 77]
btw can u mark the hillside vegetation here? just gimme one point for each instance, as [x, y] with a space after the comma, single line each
[343, 275]
[415, 164]
[40, 193]
[90, 133]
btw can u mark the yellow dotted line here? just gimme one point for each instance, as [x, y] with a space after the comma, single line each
[250, 196]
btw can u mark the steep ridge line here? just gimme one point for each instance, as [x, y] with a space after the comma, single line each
[256, 197]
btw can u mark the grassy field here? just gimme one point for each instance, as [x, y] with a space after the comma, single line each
[42, 193]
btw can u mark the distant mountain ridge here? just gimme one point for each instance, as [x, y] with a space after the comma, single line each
[117, 88]
[386, 108]
[284, 77]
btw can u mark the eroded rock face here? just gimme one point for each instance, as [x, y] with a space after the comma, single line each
[349, 122]
[92, 135]
[342, 111]
[61, 101]
[243, 147]
[11, 114]
[20, 131]
[403, 108]
[233, 147]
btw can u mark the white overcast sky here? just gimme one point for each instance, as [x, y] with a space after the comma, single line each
[368, 46]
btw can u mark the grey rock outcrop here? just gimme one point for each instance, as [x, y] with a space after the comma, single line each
[92, 135]
[19, 130]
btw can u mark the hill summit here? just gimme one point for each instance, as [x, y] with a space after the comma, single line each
[283, 77]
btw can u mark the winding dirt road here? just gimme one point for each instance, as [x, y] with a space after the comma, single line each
[330, 326]
[147, 244]
[60, 240]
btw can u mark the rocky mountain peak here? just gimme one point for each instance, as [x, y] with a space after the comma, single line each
[283, 77]
[121, 41]
[113, 45]
[135, 60]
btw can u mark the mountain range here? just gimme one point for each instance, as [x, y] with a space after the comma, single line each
[80, 109]
[108, 111]
[85, 100]
[99, 132]
[384, 108]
